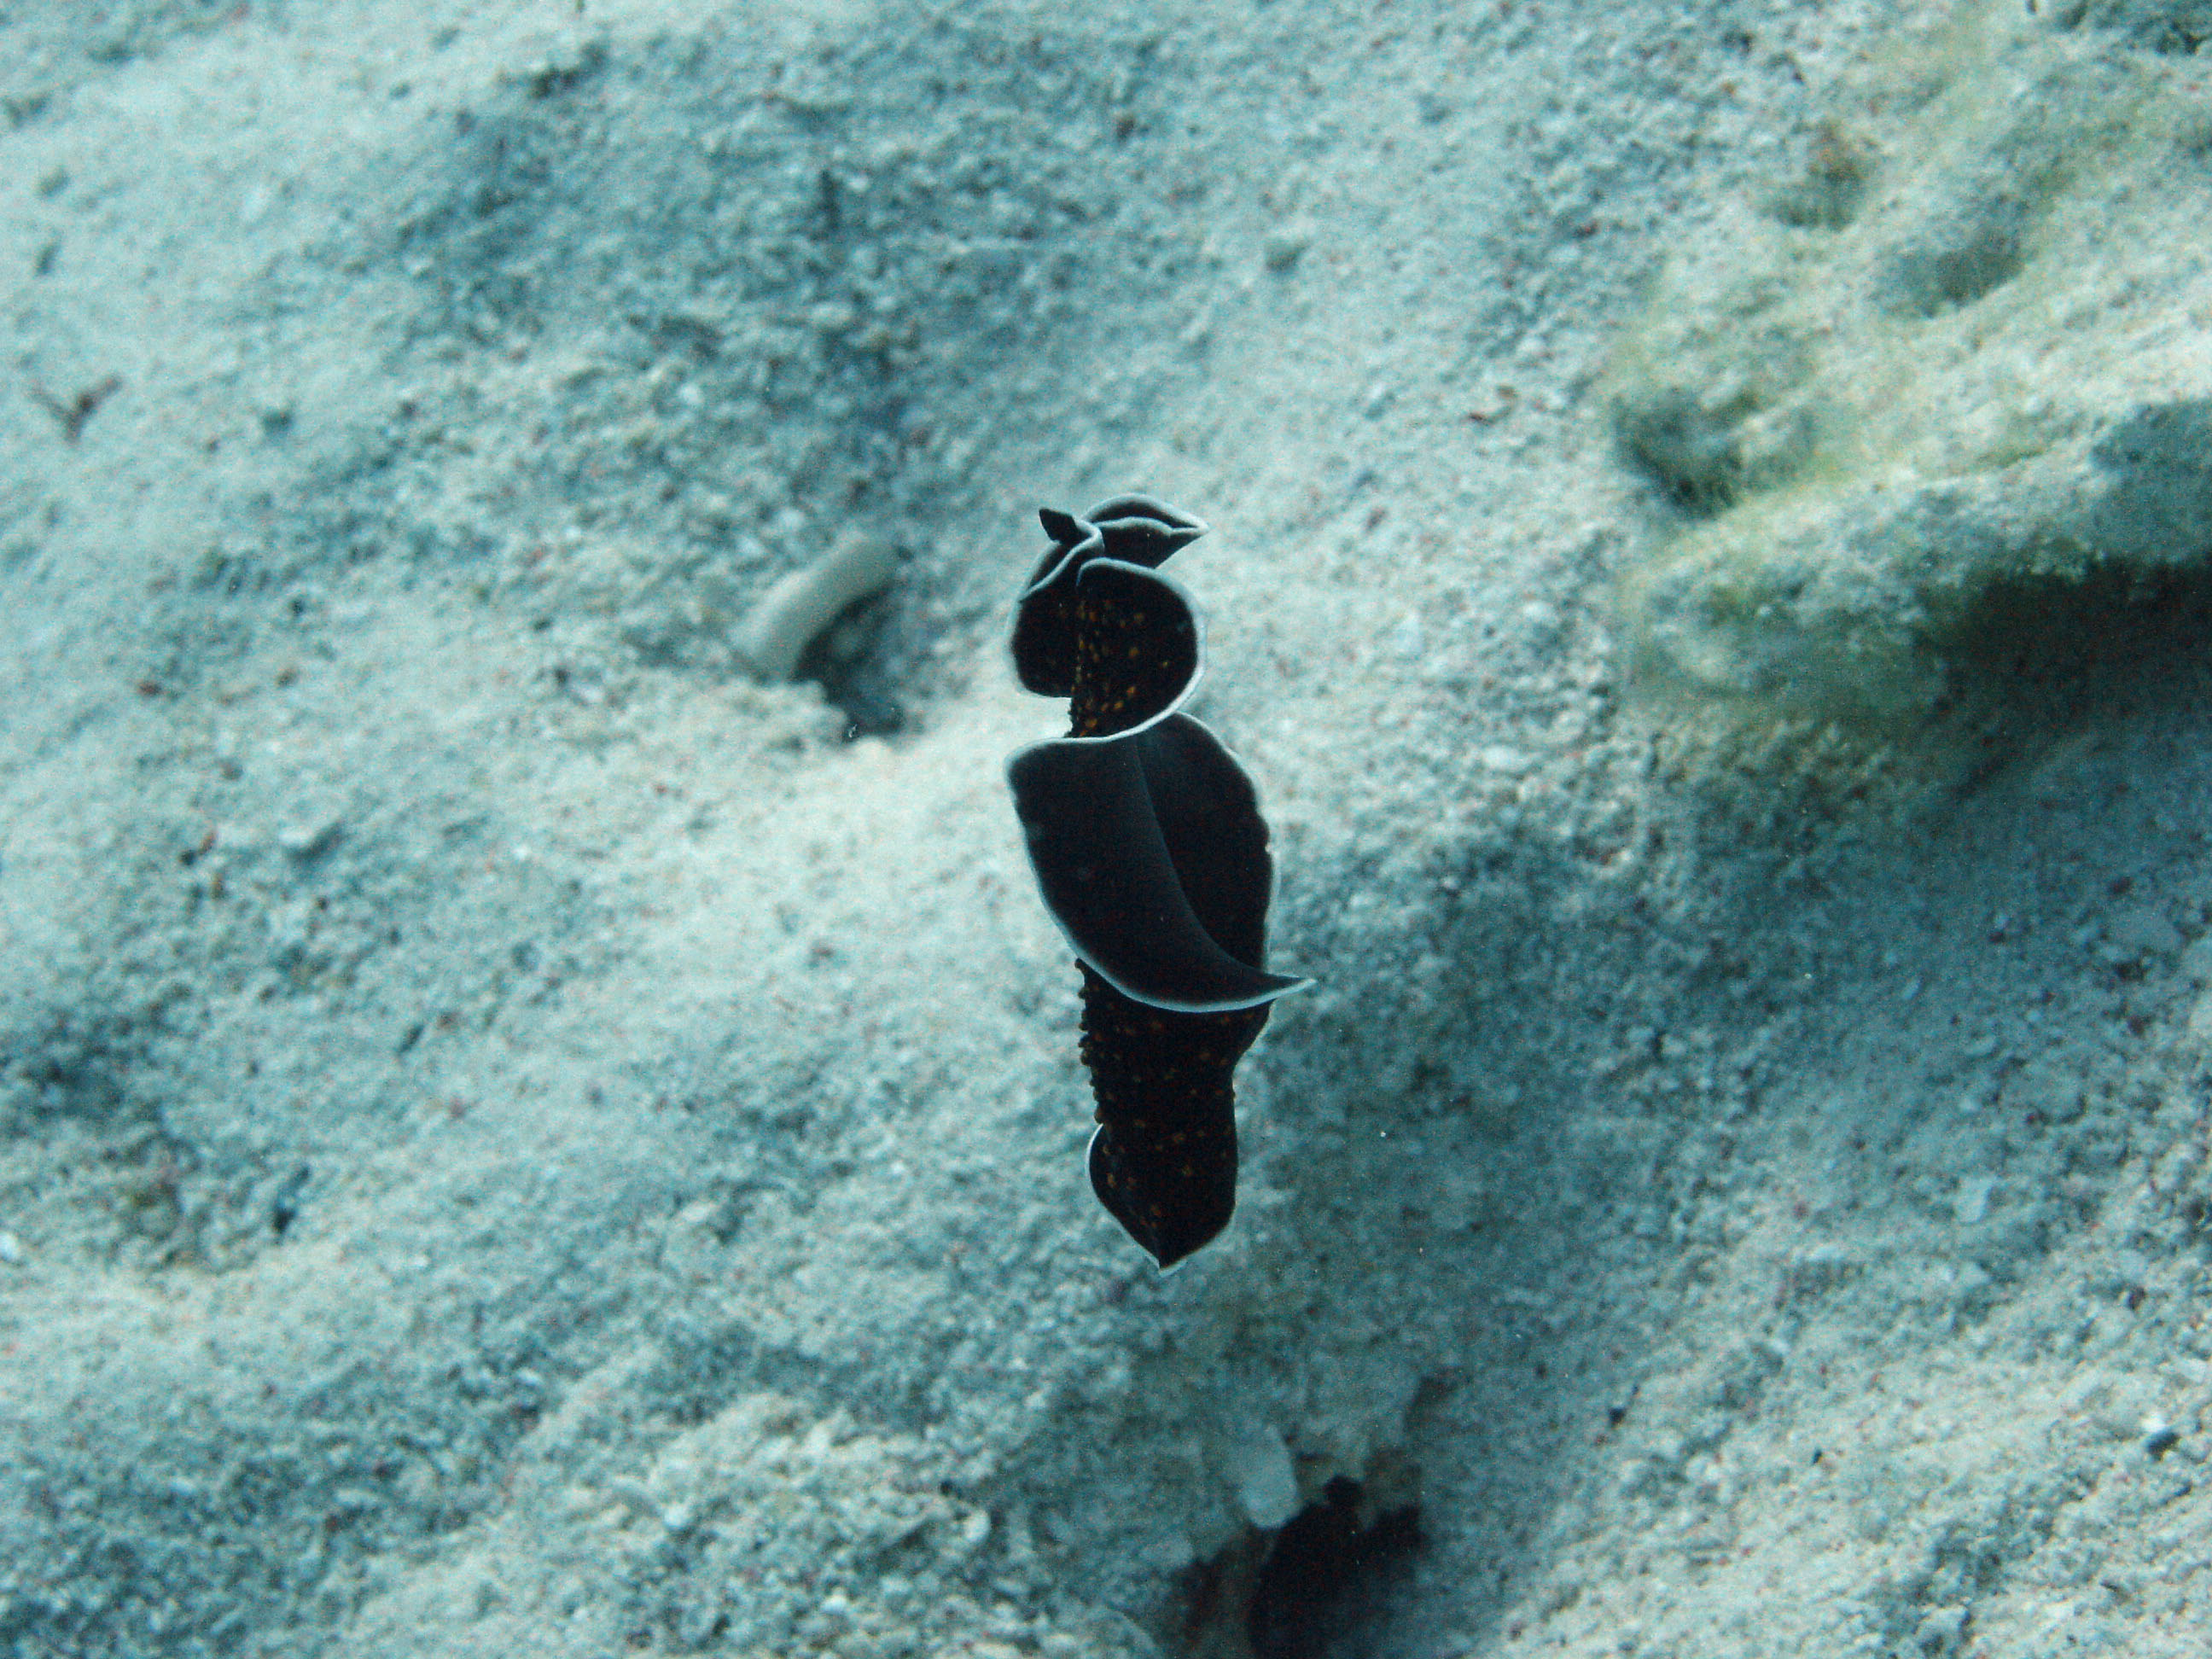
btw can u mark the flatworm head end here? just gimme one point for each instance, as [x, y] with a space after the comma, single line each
[1144, 530]
[1135, 529]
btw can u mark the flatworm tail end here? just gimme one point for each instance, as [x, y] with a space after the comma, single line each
[1163, 1161]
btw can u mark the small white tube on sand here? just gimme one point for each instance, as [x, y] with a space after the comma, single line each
[775, 632]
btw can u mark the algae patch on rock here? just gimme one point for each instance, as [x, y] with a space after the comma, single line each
[1953, 355]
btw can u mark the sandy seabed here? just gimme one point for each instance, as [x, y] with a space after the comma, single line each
[515, 1139]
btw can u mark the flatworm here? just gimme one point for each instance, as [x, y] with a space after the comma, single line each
[1151, 857]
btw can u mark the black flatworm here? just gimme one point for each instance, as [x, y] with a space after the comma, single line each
[1151, 857]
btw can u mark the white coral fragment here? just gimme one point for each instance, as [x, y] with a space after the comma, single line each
[775, 632]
